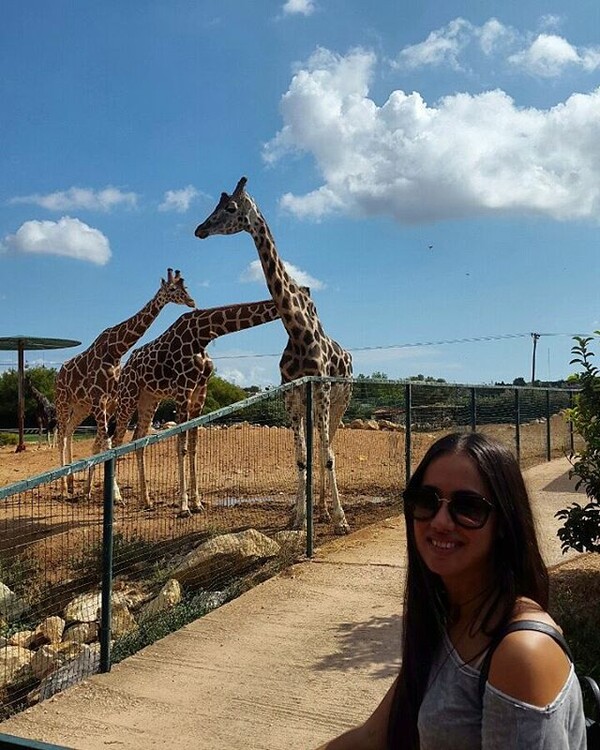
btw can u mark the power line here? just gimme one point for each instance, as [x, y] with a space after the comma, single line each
[442, 342]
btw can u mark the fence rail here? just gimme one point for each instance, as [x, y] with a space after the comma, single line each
[86, 581]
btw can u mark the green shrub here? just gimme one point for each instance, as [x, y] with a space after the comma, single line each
[8, 438]
[581, 528]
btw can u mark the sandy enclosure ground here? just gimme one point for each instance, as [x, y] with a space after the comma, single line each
[361, 455]
[247, 478]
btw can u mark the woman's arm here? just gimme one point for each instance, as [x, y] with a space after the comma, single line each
[372, 735]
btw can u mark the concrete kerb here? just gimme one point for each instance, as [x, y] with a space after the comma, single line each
[291, 662]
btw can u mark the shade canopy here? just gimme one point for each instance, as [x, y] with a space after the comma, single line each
[14, 343]
[20, 344]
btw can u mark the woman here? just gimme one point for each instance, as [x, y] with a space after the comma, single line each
[474, 566]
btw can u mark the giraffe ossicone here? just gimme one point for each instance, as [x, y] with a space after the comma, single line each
[309, 351]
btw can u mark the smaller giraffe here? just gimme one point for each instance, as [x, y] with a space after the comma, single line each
[45, 413]
[176, 365]
[87, 383]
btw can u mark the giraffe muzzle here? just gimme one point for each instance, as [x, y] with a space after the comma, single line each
[201, 233]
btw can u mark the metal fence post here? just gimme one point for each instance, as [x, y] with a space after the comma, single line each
[473, 410]
[548, 435]
[407, 431]
[518, 423]
[107, 564]
[309, 470]
[571, 436]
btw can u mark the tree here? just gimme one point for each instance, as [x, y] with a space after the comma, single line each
[43, 379]
[581, 528]
[222, 393]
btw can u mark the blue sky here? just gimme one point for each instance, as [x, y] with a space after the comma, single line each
[432, 172]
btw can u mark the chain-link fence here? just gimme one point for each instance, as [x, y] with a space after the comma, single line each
[183, 520]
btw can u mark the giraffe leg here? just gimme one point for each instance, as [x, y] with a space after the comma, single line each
[124, 410]
[68, 419]
[340, 525]
[198, 399]
[294, 402]
[146, 408]
[320, 411]
[101, 443]
[182, 449]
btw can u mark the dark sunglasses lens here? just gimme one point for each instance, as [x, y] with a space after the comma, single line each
[422, 504]
[469, 509]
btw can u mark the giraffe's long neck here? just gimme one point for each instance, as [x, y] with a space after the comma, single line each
[207, 325]
[282, 286]
[40, 399]
[121, 337]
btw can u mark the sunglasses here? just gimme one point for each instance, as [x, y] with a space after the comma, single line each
[467, 509]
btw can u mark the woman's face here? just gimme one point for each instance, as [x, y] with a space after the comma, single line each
[461, 557]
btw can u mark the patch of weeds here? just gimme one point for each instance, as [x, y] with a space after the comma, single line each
[7, 438]
[18, 572]
[188, 610]
[128, 554]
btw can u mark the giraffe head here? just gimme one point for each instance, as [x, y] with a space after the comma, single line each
[173, 289]
[230, 216]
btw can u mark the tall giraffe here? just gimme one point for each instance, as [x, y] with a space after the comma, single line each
[87, 383]
[45, 413]
[175, 365]
[309, 351]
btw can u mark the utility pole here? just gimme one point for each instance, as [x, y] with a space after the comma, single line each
[535, 337]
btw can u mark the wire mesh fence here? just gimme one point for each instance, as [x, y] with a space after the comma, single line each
[181, 521]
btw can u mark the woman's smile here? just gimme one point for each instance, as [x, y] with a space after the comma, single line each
[444, 545]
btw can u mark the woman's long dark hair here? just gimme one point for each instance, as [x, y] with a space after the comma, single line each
[519, 571]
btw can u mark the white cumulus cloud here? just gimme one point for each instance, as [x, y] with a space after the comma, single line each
[465, 155]
[548, 55]
[80, 198]
[254, 272]
[178, 200]
[68, 237]
[442, 46]
[248, 373]
[303, 7]
[545, 54]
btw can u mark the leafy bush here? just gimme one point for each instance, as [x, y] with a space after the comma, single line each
[581, 528]
[8, 438]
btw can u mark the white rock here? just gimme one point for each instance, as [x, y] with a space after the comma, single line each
[49, 630]
[83, 608]
[121, 620]
[82, 632]
[168, 597]
[14, 664]
[225, 555]
[11, 607]
[23, 638]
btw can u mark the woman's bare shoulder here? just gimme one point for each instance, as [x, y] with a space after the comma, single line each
[528, 665]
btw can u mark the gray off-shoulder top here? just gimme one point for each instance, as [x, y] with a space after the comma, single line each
[452, 717]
